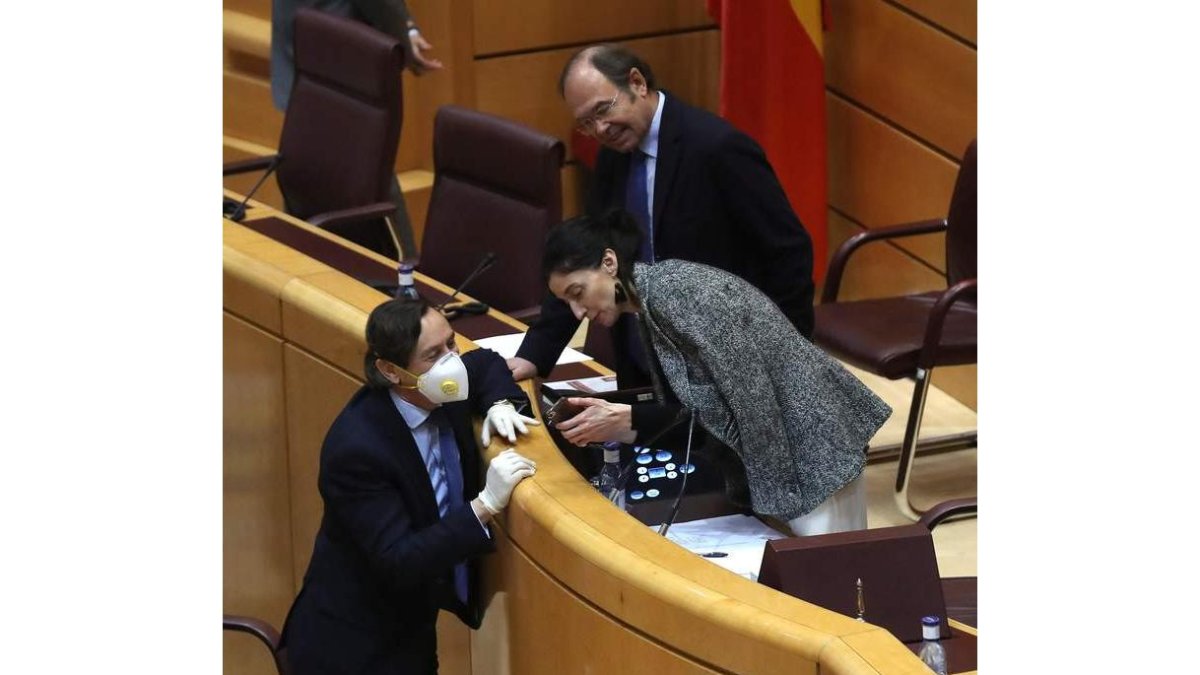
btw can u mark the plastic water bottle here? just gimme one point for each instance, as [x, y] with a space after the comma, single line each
[406, 289]
[610, 475]
[932, 653]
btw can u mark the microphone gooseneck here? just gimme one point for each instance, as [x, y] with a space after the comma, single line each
[240, 211]
[488, 259]
[687, 459]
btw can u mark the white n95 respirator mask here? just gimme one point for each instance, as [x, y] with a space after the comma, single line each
[446, 381]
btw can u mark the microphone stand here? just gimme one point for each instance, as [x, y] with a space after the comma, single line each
[471, 307]
[240, 211]
[687, 458]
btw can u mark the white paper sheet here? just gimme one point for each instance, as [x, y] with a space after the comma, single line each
[741, 538]
[507, 345]
[591, 385]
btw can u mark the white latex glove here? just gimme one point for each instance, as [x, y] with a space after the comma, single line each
[506, 421]
[504, 472]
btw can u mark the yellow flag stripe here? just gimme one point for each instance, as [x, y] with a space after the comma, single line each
[809, 14]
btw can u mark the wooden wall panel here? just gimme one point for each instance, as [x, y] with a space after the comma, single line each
[256, 8]
[961, 382]
[506, 26]
[562, 633]
[898, 66]
[316, 393]
[525, 87]
[257, 546]
[955, 16]
[251, 288]
[878, 176]
[247, 110]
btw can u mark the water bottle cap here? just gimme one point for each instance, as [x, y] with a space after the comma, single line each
[931, 628]
[612, 454]
[931, 620]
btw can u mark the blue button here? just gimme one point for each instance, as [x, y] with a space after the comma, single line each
[644, 459]
[658, 472]
[688, 468]
[652, 492]
[636, 494]
[662, 455]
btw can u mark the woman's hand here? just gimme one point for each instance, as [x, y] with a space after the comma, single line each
[600, 421]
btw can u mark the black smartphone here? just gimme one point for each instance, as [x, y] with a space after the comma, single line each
[562, 410]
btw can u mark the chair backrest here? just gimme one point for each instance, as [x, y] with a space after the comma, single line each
[497, 187]
[961, 230]
[342, 124]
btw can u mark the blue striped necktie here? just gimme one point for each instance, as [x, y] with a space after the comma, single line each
[445, 474]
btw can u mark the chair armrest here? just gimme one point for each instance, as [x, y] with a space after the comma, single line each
[256, 627]
[246, 165]
[833, 279]
[937, 317]
[352, 215]
[947, 509]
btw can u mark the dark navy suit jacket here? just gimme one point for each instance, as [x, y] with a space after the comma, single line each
[382, 563]
[716, 201]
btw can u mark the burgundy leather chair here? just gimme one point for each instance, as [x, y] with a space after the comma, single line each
[337, 150]
[266, 634]
[497, 188]
[908, 336]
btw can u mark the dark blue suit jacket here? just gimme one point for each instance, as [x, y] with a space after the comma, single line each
[382, 563]
[716, 201]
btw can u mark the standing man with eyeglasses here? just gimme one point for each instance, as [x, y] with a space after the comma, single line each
[700, 190]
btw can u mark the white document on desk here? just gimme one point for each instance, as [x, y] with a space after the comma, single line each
[507, 345]
[741, 538]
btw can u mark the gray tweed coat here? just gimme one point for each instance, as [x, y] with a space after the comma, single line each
[796, 418]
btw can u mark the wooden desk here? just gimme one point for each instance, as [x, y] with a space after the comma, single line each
[575, 584]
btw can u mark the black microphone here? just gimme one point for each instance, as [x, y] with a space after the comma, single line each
[687, 460]
[240, 211]
[470, 307]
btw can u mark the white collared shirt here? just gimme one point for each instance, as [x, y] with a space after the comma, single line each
[649, 145]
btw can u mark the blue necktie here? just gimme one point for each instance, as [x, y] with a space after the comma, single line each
[637, 202]
[445, 473]
[638, 205]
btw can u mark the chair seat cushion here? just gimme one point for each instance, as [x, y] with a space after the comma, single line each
[885, 336]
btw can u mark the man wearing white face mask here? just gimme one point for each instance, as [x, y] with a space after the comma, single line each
[405, 517]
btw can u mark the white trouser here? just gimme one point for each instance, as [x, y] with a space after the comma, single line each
[845, 510]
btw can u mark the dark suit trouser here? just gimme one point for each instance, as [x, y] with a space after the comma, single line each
[321, 644]
[404, 230]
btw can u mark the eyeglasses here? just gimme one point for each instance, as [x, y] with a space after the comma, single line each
[588, 124]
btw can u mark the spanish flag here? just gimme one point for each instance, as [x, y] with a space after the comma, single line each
[773, 88]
